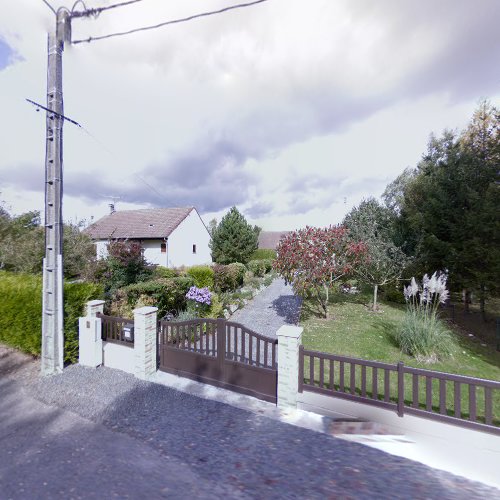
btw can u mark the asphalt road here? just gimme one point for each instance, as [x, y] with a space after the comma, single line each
[103, 434]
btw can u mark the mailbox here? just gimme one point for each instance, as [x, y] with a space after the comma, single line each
[128, 332]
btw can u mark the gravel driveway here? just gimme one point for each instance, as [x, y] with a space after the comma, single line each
[274, 307]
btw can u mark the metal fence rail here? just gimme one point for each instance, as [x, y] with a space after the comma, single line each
[464, 401]
[117, 330]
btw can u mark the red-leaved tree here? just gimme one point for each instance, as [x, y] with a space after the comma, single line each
[313, 259]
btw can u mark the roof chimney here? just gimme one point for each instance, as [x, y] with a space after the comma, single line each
[111, 208]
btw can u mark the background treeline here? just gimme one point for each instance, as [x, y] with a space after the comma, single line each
[443, 214]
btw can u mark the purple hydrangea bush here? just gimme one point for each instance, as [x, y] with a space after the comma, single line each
[199, 300]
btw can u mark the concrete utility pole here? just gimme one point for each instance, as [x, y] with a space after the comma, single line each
[52, 302]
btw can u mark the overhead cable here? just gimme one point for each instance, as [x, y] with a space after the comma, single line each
[95, 12]
[49, 6]
[174, 21]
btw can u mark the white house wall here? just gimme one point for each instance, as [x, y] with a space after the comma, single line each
[191, 231]
[152, 252]
[101, 249]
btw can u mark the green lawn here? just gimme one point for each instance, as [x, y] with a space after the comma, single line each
[353, 330]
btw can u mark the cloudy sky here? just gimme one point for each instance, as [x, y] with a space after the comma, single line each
[292, 110]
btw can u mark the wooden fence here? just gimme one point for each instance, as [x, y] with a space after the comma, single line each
[466, 401]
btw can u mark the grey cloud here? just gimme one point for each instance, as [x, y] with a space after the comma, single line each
[260, 209]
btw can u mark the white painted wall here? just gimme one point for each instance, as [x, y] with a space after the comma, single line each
[191, 231]
[152, 252]
[118, 356]
[466, 452]
[101, 249]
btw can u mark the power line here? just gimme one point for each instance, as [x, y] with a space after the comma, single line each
[55, 113]
[174, 21]
[95, 12]
[49, 6]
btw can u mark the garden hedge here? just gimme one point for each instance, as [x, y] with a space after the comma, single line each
[166, 294]
[203, 276]
[21, 312]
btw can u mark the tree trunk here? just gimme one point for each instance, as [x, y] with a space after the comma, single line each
[466, 294]
[375, 292]
[482, 302]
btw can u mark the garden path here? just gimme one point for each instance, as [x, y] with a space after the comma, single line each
[276, 306]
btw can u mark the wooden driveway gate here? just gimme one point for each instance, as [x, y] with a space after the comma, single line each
[220, 353]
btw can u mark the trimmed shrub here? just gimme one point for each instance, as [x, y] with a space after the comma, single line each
[223, 278]
[263, 253]
[237, 271]
[165, 272]
[166, 294]
[257, 267]
[203, 276]
[21, 312]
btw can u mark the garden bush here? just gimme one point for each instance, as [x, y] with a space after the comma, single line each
[203, 276]
[21, 312]
[263, 253]
[237, 271]
[257, 267]
[223, 278]
[166, 272]
[167, 294]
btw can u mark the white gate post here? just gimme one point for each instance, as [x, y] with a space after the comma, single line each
[289, 341]
[145, 325]
[89, 335]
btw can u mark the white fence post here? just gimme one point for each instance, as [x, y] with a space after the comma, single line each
[145, 325]
[289, 341]
[89, 335]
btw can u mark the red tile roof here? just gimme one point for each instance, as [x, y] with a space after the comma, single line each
[138, 224]
[270, 239]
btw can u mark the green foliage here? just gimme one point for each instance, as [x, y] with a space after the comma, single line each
[203, 276]
[79, 251]
[227, 278]
[233, 239]
[263, 253]
[425, 337]
[373, 224]
[394, 293]
[257, 267]
[21, 312]
[237, 272]
[125, 265]
[76, 295]
[168, 294]
[268, 279]
[165, 272]
[22, 241]
[184, 316]
[451, 205]
[216, 307]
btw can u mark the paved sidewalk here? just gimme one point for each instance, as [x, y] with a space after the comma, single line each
[274, 307]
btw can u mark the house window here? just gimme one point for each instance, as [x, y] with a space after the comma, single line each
[194, 248]
[163, 248]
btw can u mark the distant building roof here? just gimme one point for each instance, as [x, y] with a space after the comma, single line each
[138, 224]
[270, 239]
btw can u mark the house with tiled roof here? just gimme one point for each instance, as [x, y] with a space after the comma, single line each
[270, 239]
[170, 237]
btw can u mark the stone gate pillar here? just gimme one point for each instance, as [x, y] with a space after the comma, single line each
[89, 335]
[145, 342]
[289, 341]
